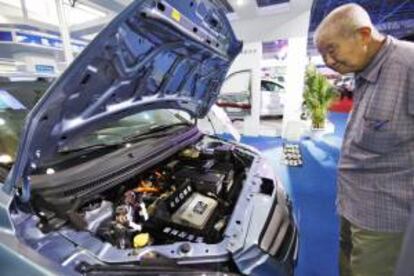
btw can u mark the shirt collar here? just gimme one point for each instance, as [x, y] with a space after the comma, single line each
[371, 72]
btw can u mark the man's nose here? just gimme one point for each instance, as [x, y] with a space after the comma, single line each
[329, 61]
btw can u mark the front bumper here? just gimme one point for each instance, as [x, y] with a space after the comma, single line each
[268, 244]
[279, 237]
[270, 248]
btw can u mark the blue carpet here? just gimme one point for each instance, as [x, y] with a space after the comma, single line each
[312, 189]
[262, 143]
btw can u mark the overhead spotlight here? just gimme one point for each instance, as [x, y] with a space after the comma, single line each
[240, 2]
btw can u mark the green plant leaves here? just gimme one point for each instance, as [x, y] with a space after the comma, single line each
[318, 95]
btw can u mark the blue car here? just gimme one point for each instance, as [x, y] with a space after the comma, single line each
[113, 177]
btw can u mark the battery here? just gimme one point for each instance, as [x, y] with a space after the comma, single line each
[210, 181]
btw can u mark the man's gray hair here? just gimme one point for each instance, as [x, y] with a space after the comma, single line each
[345, 20]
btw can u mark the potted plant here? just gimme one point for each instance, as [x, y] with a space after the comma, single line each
[317, 96]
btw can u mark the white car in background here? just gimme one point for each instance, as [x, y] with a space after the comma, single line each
[235, 96]
[272, 98]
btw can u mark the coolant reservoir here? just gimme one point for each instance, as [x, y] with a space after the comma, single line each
[141, 240]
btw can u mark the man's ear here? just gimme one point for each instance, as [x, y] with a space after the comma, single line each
[364, 33]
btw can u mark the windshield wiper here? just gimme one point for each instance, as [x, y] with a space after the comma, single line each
[154, 132]
[90, 148]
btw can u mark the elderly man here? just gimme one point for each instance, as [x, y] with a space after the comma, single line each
[376, 168]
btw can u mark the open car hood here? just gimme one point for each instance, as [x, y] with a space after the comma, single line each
[156, 54]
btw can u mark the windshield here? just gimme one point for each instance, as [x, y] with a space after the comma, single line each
[22, 95]
[18, 98]
[122, 130]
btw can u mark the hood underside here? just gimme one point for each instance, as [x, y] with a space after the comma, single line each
[156, 54]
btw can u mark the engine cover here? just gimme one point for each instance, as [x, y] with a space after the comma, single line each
[195, 212]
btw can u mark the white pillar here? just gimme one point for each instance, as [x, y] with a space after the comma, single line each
[296, 64]
[253, 55]
[24, 11]
[64, 32]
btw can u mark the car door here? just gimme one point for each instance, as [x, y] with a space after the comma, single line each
[235, 94]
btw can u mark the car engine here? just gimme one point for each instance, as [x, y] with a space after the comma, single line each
[189, 197]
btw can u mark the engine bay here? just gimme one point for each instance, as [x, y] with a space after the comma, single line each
[188, 197]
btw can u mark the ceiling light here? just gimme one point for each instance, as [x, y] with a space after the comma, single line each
[240, 2]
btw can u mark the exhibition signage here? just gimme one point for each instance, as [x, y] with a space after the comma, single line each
[37, 39]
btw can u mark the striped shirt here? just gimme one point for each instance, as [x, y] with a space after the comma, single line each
[376, 167]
